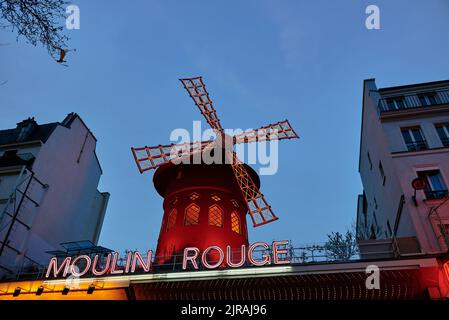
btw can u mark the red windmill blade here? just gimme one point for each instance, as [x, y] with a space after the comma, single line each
[197, 91]
[148, 158]
[258, 208]
[278, 131]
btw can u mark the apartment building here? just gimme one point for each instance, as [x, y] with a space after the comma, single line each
[49, 174]
[404, 136]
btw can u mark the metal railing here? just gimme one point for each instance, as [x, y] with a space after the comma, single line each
[415, 100]
[417, 145]
[445, 142]
[436, 194]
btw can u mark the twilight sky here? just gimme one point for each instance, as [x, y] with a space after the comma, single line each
[262, 61]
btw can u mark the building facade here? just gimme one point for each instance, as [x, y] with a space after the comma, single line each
[404, 135]
[49, 174]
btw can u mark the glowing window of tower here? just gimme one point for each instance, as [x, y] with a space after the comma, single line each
[235, 222]
[194, 196]
[171, 219]
[215, 216]
[235, 203]
[215, 197]
[192, 215]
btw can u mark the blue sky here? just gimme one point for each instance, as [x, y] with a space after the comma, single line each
[263, 61]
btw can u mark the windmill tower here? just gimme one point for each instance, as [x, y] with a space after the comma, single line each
[206, 204]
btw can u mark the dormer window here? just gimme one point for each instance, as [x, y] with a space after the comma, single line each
[25, 127]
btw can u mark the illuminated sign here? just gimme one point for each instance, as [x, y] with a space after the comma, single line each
[85, 264]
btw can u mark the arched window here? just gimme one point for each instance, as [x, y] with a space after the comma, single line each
[192, 215]
[235, 222]
[171, 220]
[215, 216]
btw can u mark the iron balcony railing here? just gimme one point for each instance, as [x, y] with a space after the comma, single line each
[436, 194]
[417, 145]
[415, 100]
[445, 142]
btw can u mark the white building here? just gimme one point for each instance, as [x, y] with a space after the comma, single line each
[405, 135]
[49, 176]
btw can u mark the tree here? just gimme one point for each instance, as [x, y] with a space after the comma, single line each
[36, 20]
[341, 247]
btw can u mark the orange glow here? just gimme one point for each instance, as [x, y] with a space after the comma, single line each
[235, 222]
[192, 215]
[99, 294]
[103, 291]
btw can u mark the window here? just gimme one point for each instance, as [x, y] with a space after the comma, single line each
[435, 188]
[235, 203]
[365, 208]
[235, 222]
[382, 173]
[428, 99]
[370, 162]
[396, 103]
[171, 219]
[192, 215]
[215, 197]
[215, 216]
[194, 196]
[24, 133]
[365, 203]
[443, 132]
[398, 214]
[414, 139]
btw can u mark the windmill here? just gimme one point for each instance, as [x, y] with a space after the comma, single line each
[148, 158]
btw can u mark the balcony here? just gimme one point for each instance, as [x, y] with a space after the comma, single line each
[413, 101]
[436, 194]
[445, 142]
[417, 145]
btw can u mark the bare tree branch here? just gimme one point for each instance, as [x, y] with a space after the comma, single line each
[39, 21]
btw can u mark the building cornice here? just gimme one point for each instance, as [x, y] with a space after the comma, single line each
[400, 154]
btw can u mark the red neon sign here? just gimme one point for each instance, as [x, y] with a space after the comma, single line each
[133, 259]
